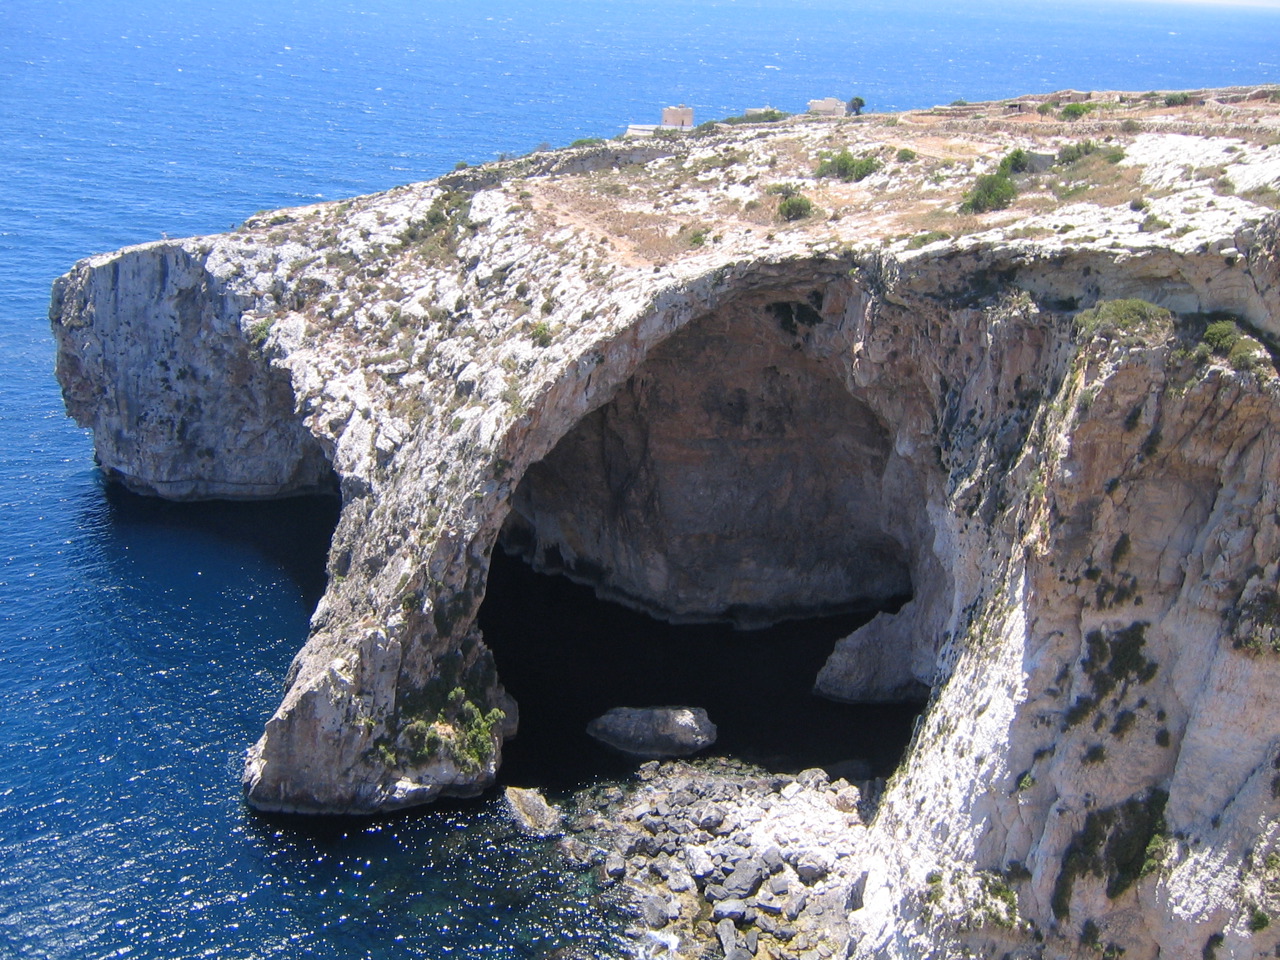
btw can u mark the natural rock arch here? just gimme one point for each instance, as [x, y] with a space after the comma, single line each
[740, 472]
[732, 476]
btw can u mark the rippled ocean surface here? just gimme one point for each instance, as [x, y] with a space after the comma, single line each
[142, 645]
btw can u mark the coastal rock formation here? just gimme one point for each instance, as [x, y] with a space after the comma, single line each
[532, 813]
[654, 732]
[1054, 427]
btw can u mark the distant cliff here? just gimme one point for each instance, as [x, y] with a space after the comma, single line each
[1053, 424]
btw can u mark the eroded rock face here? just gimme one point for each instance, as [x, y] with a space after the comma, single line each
[792, 418]
[152, 358]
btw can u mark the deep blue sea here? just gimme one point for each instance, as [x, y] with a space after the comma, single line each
[142, 645]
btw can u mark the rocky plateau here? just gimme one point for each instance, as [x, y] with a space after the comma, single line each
[765, 371]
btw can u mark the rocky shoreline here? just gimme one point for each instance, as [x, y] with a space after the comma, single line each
[715, 857]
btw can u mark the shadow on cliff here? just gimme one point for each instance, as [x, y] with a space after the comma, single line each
[567, 657]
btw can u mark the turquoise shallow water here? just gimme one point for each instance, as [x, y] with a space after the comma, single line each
[142, 645]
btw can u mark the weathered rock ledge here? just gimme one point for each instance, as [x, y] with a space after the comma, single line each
[620, 363]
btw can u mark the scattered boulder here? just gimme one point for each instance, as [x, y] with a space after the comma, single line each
[744, 879]
[812, 865]
[614, 866]
[653, 909]
[733, 909]
[532, 813]
[654, 732]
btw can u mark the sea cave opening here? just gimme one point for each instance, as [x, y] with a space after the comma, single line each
[567, 656]
[704, 539]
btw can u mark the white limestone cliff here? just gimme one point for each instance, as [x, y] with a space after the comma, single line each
[625, 367]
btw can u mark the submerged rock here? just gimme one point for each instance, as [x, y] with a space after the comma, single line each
[655, 732]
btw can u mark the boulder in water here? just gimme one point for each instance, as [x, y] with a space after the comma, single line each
[655, 732]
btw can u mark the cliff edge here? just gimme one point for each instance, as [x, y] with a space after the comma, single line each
[765, 371]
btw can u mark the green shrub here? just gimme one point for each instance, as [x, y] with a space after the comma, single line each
[259, 330]
[906, 155]
[1120, 844]
[1075, 152]
[992, 191]
[1074, 111]
[586, 142]
[1177, 99]
[540, 333]
[1245, 354]
[1132, 317]
[795, 208]
[1221, 336]
[1047, 107]
[1258, 920]
[924, 239]
[845, 166]
[767, 116]
[1017, 161]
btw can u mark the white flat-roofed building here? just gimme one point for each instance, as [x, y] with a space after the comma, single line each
[829, 107]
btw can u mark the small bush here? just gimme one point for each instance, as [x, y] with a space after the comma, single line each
[992, 191]
[1124, 721]
[1047, 107]
[845, 166]
[1258, 920]
[906, 155]
[1177, 99]
[1095, 754]
[795, 208]
[1131, 126]
[924, 239]
[1129, 316]
[1221, 336]
[1017, 161]
[1075, 152]
[259, 330]
[1074, 111]
[540, 333]
[1246, 354]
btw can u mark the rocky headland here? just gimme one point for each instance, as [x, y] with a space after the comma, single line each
[1013, 360]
